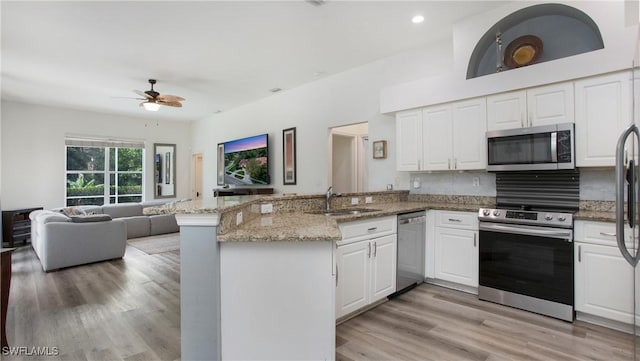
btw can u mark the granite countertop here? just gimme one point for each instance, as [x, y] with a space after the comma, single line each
[300, 226]
[600, 216]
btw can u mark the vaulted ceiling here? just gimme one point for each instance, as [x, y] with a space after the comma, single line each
[218, 55]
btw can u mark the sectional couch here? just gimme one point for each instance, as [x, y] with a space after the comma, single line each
[65, 237]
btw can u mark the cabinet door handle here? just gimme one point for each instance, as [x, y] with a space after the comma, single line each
[454, 220]
[449, 163]
[610, 234]
[474, 239]
[531, 119]
[369, 250]
[337, 274]
[579, 253]
[419, 165]
[375, 249]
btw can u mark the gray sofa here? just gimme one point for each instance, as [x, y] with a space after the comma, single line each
[65, 237]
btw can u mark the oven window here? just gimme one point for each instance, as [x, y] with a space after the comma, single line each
[535, 266]
[520, 149]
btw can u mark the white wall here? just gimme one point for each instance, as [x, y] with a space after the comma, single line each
[33, 150]
[450, 83]
[345, 98]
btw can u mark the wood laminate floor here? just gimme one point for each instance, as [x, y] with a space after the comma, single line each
[129, 309]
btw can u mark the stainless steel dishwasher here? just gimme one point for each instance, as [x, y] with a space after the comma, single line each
[411, 244]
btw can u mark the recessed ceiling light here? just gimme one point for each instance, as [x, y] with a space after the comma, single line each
[417, 19]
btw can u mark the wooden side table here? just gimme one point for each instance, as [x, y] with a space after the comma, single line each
[16, 225]
[5, 282]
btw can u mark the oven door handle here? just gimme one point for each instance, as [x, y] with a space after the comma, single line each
[566, 235]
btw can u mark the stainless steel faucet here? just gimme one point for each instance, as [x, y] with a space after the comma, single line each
[328, 196]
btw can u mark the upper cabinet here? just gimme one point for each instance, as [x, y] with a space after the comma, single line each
[409, 140]
[442, 137]
[603, 110]
[545, 105]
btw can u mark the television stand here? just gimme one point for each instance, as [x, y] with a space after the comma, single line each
[222, 192]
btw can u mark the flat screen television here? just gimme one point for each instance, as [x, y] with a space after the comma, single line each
[246, 161]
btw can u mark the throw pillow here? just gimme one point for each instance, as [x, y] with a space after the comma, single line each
[72, 211]
[90, 218]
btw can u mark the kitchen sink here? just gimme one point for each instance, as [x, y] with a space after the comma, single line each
[343, 212]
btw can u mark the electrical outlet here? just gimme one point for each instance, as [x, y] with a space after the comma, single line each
[416, 183]
[266, 208]
[368, 199]
[476, 182]
[355, 201]
[389, 187]
[238, 218]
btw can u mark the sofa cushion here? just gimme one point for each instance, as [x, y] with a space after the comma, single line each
[72, 211]
[163, 223]
[138, 226]
[48, 216]
[90, 218]
[123, 210]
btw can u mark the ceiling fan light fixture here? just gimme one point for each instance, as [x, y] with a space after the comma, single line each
[151, 106]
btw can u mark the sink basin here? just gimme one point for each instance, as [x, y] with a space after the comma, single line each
[343, 212]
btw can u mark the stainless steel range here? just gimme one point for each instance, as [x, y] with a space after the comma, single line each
[526, 249]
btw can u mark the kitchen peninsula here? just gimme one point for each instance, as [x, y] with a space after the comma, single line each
[260, 285]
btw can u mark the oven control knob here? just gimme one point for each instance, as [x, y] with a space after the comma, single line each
[548, 217]
[496, 213]
[562, 218]
[486, 212]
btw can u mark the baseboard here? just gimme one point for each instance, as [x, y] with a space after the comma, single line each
[452, 285]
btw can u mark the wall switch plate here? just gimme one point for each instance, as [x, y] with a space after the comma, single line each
[238, 218]
[266, 208]
[389, 187]
[368, 199]
[355, 201]
[416, 183]
[476, 182]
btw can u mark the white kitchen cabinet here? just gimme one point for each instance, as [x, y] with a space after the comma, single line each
[409, 140]
[437, 130]
[550, 104]
[603, 282]
[544, 105]
[365, 263]
[603, 111]
[603, 278]
[352, 277]
[443, 137]
[469, 141]
[383, 267]
[506, 110]
[456, 247]
[366, 273]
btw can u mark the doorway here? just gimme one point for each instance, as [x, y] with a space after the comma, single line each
[348, 166]
[196, 187]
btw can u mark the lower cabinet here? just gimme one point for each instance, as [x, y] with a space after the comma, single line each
[603, 282]
[456, 256]
[365, 273]
[456, 247]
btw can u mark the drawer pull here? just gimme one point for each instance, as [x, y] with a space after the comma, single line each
[454, 220]
[611, 234]
[579, 253]
[372, 229]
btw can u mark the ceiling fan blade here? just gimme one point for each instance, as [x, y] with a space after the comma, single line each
[170, 98]
[141, 93]
[170, 103]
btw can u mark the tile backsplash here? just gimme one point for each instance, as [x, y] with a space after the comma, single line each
[596, 184]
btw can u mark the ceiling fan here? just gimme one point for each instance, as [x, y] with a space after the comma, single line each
[153, 100]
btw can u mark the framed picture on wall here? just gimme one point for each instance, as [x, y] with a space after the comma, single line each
[220, 164]
[289, 156]
[380, 149]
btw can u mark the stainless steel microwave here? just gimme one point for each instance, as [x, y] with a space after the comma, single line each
[534, 148]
